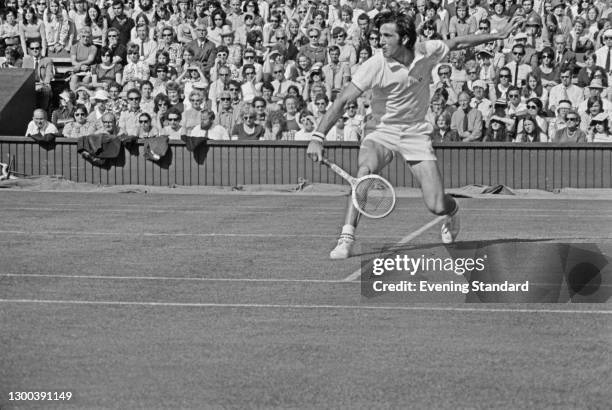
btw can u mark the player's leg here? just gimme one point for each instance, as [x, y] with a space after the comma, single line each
[438, 202]
[373, 157]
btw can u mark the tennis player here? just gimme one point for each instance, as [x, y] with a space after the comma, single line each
[399, 78]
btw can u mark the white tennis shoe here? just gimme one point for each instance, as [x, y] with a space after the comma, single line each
[344, 248]
[450, 228]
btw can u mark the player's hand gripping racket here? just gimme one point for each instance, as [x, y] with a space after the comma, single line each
[372, 195]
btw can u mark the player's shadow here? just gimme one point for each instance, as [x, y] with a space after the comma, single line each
[556, 272]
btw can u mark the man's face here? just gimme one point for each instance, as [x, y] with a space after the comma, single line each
[518, 53]
[224, 75]
[321, 105]
[39, 119]
[421, 6]
[479, 93]
[35, 49]
[141, 32]
[118, 10]
[145, 123]
[363, 25]
[313, 36]
[566, 78]
[146, 90]
[222, 57]
[308, 125]
[133, 101]
[334, 55]
[266, 94]
[205, 122]
[514, 97]
[108, 123]
[461, 12]
[86, 38]
[201, 32]
[608, 40]
[527, 6]
[389, 40]
[279, 73]
[464, 102]
[196, 102]
[113, 38]
[234, 92]
[444, 73]
[504, 77]
[235, 6]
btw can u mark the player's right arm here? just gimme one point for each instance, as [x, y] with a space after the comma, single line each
[349, 93]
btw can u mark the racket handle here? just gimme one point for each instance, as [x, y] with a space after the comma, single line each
[338, 170]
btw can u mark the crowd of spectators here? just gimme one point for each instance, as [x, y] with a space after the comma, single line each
[269, 69]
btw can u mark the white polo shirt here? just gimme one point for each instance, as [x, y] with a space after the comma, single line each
[400, 94]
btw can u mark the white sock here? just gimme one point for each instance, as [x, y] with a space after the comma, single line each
[348, 230]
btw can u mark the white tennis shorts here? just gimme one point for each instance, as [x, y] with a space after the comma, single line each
[412, 141]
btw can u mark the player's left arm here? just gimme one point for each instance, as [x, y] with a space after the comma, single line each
[472, 40]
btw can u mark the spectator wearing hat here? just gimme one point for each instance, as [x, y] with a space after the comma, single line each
[595, 90]
[604, 54]
[43, 73]
[208, 128]
[479, 101]
[234, 50]
[565, 91]
[571, 133]
[84, 97]
[99, 109]
[599, 130]
[564, 23]
[81, 126]
[467, 121]
[559, 122]
[64, 113]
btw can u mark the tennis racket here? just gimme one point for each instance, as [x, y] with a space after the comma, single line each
[372, 195]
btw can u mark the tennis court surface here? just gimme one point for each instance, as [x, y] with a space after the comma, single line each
[201, 301]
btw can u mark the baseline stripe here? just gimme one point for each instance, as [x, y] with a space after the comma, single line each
[170, 278]
[402, 241]
[311, 307]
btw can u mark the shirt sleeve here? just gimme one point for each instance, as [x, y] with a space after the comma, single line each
[434, 50]
[369, 73]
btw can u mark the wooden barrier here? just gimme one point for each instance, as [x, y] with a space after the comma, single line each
[231, 163]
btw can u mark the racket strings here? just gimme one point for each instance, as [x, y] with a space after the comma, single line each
[374, 196]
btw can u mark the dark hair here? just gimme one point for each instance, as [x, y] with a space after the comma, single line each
[365, 47]
[260, 99]
[252, 37]
[175, 111]
[215, 13]
[536, 130]
[404, 24]
[160, 97]
[80, 107]
[591, 101]
[538, 90]
[34, 16]
[538, 103]
[252, 2]
[99, 20]
[267, 85]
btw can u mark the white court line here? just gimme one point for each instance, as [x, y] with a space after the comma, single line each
[170, 278]
[179, 234]
[405, 239]
[311, 307]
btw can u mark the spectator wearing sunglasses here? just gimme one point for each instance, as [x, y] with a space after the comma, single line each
[43, 73]
[173, 130]
[248, 129]
[128, 120]
[571, 133]
[81, 126]
[313, 49]
[517, 66]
